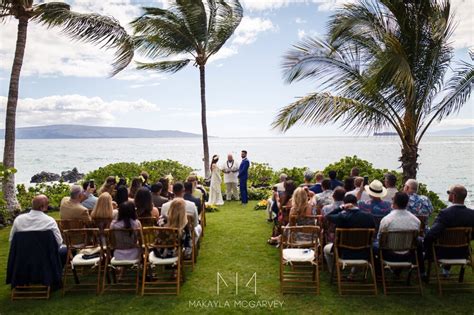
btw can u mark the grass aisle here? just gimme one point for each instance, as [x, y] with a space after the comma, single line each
[234, 242]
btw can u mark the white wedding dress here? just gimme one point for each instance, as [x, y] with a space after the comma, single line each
[215, 193]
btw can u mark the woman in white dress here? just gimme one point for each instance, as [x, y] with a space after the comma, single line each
[215, 193]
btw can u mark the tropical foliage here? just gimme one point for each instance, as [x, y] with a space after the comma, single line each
[92, 28]
[189, 31]
[382, 66]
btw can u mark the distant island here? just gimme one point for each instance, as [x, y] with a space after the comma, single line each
[93, 132]
[385, 134]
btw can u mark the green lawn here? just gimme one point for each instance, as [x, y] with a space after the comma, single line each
[234, 242]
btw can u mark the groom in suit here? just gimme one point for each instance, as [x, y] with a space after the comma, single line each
[243, 176]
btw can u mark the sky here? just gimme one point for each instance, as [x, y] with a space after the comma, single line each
[66, 82]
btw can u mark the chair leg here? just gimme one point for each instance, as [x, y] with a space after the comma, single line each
[419, 274]
[144, 271]
[372, 269]
[317, 280]
[440, 290]
[382, 270]
[339, 284]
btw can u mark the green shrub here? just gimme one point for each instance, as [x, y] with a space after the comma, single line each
[260, 175]
[122, 169]
[296, 174]
[259, 193]
[55, 192]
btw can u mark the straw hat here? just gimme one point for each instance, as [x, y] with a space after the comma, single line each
[376, 189]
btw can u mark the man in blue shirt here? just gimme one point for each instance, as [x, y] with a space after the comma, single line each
[334, 181]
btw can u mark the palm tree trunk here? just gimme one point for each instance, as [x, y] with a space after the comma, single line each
[409, 161]
[9, 150]
[205, 143]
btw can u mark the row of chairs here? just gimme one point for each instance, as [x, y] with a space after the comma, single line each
[300, 261]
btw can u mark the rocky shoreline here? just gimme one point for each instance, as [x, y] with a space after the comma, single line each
[69, 176]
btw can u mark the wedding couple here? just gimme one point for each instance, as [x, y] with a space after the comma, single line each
[233, 173]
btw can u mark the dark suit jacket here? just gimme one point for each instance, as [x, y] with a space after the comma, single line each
[352, 218]
[34, 259]
[454, 216]
[244, 169]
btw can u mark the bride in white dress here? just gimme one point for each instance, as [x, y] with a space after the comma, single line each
[215, 193]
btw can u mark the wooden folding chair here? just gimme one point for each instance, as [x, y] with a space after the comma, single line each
[400, 241]
[423, 223]
[452, 239]
[82, 243]
[191, 261]
[202, 217]
[354, 240]
[299, 249]
[156, 270]
[123, 239]
[148, 221]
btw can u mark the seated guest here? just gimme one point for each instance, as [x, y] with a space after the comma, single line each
[418, 204]
[188, 195]
[355, 172]
[191, 209]
[121, 195]
[375, 206]
[198, 193]
[302, 207]
[334, 181]
[127, 219]
[158, 200]
[71, 208]
[338, 197]
[175, 218]
[165, 190]
[104, 208]
[37, 220]
[348, 216]
[144, 177]
[308, 179]
[349, 184]
[457, 215]
[136, 184]
[90, 200]
[390, 183]
[108, 186]
[283, 200]
[324, 198]
[359, 186]
[35, 257]
[280, 187]
[316, 188]
[170, 179]
[144, 204]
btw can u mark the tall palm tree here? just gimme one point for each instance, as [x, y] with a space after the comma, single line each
[382, 65]
[187, 31]
[92, 28]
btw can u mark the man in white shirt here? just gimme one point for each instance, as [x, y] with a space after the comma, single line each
[359, 190]
[231, 180]
[37, 220]
[191, 209]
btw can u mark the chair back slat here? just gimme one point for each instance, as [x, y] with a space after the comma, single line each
[161, 237]
[101, 223]
[398, 240]
[354, 239]
[71, 224]
[83, 238]
[454, 237]
[148, 221]
[124, 239]
[291, 235]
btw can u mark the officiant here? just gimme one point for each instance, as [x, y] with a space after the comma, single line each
[231, 171]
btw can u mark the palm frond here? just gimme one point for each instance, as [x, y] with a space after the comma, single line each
[164, 66]
[194, 13]
[92, 28]
[322, 108]
[228, 17]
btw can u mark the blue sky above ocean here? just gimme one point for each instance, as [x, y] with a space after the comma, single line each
[66, 82]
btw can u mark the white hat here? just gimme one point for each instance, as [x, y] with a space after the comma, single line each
[376, 189]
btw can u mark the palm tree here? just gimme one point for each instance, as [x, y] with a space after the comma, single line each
[187, 31]
[383, 65]
[92, 28]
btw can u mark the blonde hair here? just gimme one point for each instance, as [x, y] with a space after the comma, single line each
[103, 208]
[299, 202]
[108, 186]
[177, 214]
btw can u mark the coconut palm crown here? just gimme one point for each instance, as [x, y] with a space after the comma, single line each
[188, 31]
[93, 28]
[382, 66]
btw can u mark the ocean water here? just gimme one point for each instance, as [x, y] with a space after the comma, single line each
[443, 160]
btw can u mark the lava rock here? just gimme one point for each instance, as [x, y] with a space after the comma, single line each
[72, 176]
[45, 177]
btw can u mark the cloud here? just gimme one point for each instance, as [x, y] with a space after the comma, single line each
[312, 33]
[463, 34]
[73, 109]
[457, 122]
[260, 5]
[300, 21]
